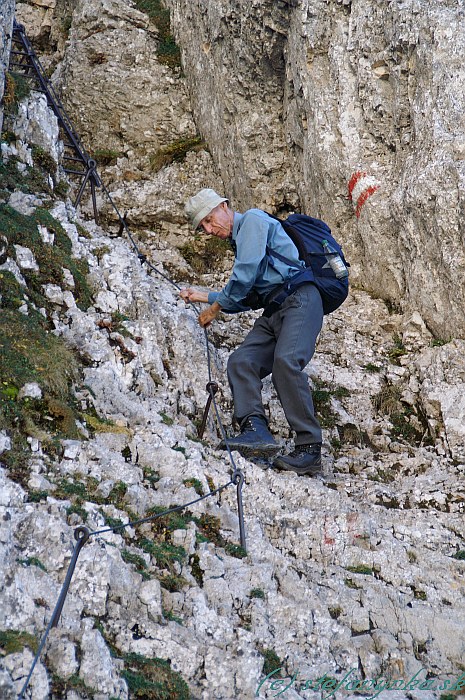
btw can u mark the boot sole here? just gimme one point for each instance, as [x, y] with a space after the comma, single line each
[250, 451]
[313, 470]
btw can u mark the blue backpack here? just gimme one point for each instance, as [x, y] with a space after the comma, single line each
[308, 235]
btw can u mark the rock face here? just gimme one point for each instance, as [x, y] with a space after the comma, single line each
[6, 25]
[359, 571]
[297, 97]
[140, 105]
[297, 101]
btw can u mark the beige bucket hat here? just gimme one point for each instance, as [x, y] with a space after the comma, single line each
[201, 204]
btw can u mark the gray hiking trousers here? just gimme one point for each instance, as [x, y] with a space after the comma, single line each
[281, 345]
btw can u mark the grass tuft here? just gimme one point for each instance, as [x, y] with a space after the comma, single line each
[175, 152]
[168, 51]
[153, 679]
[12, 641]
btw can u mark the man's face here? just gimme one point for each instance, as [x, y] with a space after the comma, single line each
[218, 222]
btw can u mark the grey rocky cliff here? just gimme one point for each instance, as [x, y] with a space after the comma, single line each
[293, 100]
[355, 571]
[141, 105]
[361, 569]
[296, 97]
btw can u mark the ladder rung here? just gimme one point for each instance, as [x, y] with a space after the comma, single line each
[74, 172]
[77, 152]
[20, 65]
[78, 160]
[26, 75]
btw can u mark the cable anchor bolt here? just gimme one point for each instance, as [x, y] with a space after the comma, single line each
[212, 388]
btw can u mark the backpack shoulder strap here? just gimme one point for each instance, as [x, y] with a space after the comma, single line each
[293, 235]
[275, 254]
[295, 238]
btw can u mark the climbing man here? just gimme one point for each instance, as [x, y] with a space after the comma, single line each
[282, 340]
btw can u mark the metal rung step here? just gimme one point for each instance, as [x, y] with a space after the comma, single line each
[74, 172]
[77, 151]
[21, 65]
[78, 160]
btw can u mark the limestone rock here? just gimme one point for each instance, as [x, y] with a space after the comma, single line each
[314, 95]
[25, 258]
[24, 203]
[5, 442]
[115, 41]
[37, 124]
[97, 667]
[442, 375]
[18, 665]
[361, 568]
[31, 389]
[61, 656]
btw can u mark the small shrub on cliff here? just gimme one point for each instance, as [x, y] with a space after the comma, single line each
[43, 159]
[12, 641]
[205, 255]
[408, 421]
[106, 156]
[153, 679]
[31, 180]
[17, 87]
[175, 152]
[29, 352]
[272, 661]
[168, 51]
[51, 259]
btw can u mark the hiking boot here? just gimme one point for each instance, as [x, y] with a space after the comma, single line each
[305, 459]
[254, 439]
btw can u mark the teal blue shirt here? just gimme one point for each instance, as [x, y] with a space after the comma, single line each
[253, 268]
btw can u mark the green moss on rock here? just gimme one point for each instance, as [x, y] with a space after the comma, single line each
[205, 254]
[168, 51]
[51, 259]
[175, 152]
[155, 680]
[12, 641]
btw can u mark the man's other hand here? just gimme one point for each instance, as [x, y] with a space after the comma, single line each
[209, 315]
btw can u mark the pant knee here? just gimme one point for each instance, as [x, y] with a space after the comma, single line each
[287, 366]
[237, 362]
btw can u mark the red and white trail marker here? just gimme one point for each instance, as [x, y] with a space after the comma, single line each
[361, 187]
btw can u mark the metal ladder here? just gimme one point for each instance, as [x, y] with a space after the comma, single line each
[76, 162]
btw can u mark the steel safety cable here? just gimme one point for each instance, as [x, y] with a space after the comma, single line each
[36, 657]
[81, 540]
[237, 475]
[237, 478]
[150, 518]
[143, 259]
